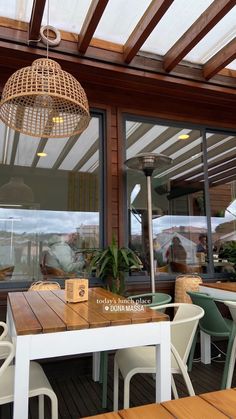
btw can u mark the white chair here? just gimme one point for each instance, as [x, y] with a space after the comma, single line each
[232, 308]
[4, 337]
[38, 383]
[142, 359]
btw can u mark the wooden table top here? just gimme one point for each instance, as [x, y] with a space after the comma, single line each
[47, 311]
[225, 286]
[217, 405]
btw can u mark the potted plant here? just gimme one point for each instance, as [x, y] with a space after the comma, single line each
[111, 264]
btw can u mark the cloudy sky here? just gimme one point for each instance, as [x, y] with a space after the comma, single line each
[44, 222]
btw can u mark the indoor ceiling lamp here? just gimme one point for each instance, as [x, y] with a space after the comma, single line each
[183, 137]
[42, 100]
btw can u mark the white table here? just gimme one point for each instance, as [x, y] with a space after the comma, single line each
[38, 342]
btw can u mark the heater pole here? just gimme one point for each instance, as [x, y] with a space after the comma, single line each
[150, 233]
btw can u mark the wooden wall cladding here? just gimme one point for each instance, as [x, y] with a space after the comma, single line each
[220, 198]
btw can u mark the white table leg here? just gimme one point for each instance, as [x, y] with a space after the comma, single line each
[96, 366]
[205, 348]
[163, 365]
[21, 383]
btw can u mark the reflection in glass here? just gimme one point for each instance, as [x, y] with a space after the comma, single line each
[48, 196]
[221, 161]
[178, 212]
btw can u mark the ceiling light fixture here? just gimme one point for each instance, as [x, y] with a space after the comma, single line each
[42, 154]
[183, 137]
[42, 100]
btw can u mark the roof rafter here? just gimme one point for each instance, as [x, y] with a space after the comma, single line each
[36, 20]
[90, 24]
[40, 149]
[212, 15]
[220, 60]
[145, 26]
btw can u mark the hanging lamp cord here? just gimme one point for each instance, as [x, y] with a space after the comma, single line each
[47, 28]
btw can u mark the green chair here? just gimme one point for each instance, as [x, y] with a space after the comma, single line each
[215, 325]
[149, 299]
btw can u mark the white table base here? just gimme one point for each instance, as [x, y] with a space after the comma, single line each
[49, 345]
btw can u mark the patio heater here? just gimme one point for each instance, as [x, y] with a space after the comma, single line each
[148, 163]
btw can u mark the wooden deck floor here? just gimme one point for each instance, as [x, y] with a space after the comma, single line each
[79, 396]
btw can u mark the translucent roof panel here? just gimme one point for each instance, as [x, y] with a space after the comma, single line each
[119, 19]
[178, 18]
[83, 146]
[15, 9]
[232, 65]
[68, 16]
[53, 149]
[215, 40]
[26, 150]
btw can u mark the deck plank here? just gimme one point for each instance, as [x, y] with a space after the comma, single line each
[85, 395]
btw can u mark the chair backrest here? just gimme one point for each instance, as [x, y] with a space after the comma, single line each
[232, 309]
[9, 350]
[152, 299]
[184, 326]
[4, 333]
[213, 322]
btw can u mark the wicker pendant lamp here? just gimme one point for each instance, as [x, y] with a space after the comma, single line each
[42, 100]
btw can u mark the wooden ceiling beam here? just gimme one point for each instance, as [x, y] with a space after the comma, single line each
[41, 146]
[223, 181]
[161, 139]
[138, 133]
[145, 26]
[198, 173]
[216, 167]
[90, 24]
[36, 21]
[220, 60]
[222, 175]
[94, 147]
[212, 15]
[14, 148]
[19, 38]
[183, 162]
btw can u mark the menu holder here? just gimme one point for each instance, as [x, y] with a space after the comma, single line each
[76, 290]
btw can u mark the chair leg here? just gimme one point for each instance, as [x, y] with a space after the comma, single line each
[231, 365]
[104, 379]
[41, 406]
[174, 389]
[183, 370]
[192, 351]
[116, 385]
[101, 367]
[228, 356]
[188, 382]
[126, 392]
[54, 406]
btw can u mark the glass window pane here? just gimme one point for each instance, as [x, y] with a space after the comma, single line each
[49, 204]
[221, 154]
[178, 200]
